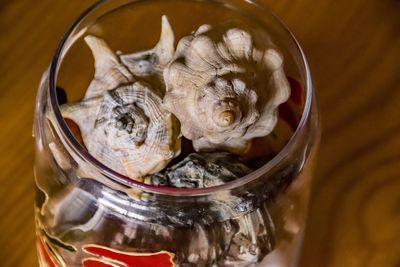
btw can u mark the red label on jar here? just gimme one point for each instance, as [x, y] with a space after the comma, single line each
[45, 257]
[106, 257]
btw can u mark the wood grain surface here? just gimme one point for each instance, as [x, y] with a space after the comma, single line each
[353, 48]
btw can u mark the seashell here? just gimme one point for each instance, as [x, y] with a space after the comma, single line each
[224, 84]
[202, 170]
[122, 121]
[149, 65]
[127, 129]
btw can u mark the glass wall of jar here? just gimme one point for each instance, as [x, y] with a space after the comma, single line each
[89, 215]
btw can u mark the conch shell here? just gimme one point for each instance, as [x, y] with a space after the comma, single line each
[122, 121]
[224, 85]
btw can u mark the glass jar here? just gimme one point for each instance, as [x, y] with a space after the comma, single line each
[89, 215]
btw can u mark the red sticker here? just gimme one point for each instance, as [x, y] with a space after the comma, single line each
[44, 255]
[106, 257]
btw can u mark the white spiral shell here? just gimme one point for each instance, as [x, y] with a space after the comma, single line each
[224, 84]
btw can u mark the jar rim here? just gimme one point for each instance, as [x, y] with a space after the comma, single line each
[129, 182]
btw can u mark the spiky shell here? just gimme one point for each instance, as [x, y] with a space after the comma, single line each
[127, 130]
[224, 85]
[122, 120]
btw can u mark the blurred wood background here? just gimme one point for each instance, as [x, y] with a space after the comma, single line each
[353, 48]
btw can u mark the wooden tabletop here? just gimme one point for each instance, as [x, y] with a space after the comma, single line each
[353, 48]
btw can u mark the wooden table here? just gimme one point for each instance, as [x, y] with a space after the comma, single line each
[353, 48]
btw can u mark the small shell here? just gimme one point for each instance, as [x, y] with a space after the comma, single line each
[224, 85]
[127, 130]
[149, 65]
[202, 170]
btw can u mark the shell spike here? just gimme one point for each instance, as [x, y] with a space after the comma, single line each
[82, 108]
[165, 47]
[101, 51]
[109, 72]
[82, 113]
[149, 65]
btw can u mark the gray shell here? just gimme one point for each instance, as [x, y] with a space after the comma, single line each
[202, 170]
